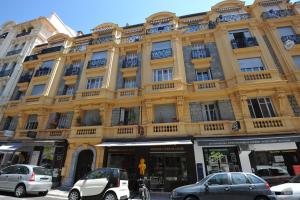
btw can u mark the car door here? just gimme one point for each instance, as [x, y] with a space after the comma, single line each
[12, 178]
[241, 188]
[95, 182]
[217, 187]
[3, 177]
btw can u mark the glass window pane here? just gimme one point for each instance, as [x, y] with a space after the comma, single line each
[99, 55]
[297, 61]
[161, 45]
[254, 179]
[286, 30]
[238, 178]
[219, 179]
[37, 89]
[251, 64]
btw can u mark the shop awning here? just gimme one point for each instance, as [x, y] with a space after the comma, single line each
[145, 143]
[10, 146]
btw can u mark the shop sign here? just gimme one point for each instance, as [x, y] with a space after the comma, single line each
[169, 148]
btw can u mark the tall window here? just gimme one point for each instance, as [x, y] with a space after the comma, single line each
[239, 34]
[251, 64]
[261, 107]
[99, 55]
[162, 74]
[91, 118]
[129, 82]
[285, 31]
[165, 113]
[127, 116]
[203, 75]
[161, 45]
[297, 61]
[47, 64]
[64, 120]
[32, 122]
[209, 111]
[95, 82]
[37, 90]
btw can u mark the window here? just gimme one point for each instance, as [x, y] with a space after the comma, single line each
[251, 64]
[128, 116]
[131, 60]
[273, 7]
[165, 113]
[129, 82]
[261, 107]
[219, 179]
[97, 174]
[239, 34]
[64, 120]
[22, 170]
[203, 75]
[37, 89]
[297, 61]
[69, 90]
[95, 82]
[285, 31]
[47, 64]
[210, 112]
[238, 178]
[99, 55]
[9, 170]
[162, 74]
[32, 122]
[161, 45]
[254, 179]
[10, 123]
[91, 118]
[278, 172]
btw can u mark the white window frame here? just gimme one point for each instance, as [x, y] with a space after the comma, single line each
[94, 82]
[252, 68]
[99, 55]
[130, 82]
[200, 75]
[210, 114]
[31, 120]
[38, 92]
[156, 46]
[267, 102]
[164, 74]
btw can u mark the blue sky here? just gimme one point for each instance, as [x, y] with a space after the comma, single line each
[86, 14]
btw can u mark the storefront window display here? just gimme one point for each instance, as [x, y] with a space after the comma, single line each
[221, 159]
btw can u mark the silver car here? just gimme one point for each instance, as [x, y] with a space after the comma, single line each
[23, 179]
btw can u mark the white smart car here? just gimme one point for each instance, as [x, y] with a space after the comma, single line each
[288, 191]
[103, 183]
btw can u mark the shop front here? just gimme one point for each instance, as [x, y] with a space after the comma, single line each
[164, 164]
[47, 153]
[268, 156]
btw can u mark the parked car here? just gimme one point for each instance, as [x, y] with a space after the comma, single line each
[23, 179]
[103, 183]
[226, 186]
[273, 175]
[290, 190]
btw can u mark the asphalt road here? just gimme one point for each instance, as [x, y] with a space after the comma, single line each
[10, 196]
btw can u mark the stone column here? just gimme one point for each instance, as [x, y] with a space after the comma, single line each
[42, 119]
[284, 105]
[99, 156]
[149, 111]
[244, 106]
[180, 109]
[77, 115]
[67, 178]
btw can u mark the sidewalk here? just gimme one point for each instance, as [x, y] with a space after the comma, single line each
[63, 193]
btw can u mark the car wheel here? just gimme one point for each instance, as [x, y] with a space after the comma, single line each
[261, 198]
[191, 198]
[110, 196]
[74, 195]
[20, 191]
[43, 193]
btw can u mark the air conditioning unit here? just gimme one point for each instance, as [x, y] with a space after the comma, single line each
[8, 133]
[289, 44]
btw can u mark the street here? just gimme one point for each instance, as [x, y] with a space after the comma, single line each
[9, 196]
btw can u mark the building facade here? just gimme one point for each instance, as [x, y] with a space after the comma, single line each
[16, 42]
[182, 96]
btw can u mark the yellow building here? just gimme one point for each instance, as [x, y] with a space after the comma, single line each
[172, 91]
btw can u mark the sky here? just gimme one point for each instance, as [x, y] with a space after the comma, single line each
[84, 15]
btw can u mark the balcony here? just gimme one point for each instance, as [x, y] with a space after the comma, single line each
[26, 78]
[33, 100]
[127, 93]
[244, 42]
[42, 72]
[101, 40]
[273, 14]
[54, 134]
[63, 99]
[77, 49]
[233, 18]
[95, 94]
[4, 73]
[13, 52]
[52, 49]
[132, 39]
[13, 104]
[31, 58]
[295, 38]
[87, 132]
[160, 29]
[128, 131]
[198, 27]
[96, 63]
[23, 33]
[209, 85]
[72, 71]
[165, 86]
[129, 63]
[159, 54]
[258, 76]
[200, 53]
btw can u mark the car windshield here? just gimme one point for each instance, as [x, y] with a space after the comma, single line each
[296, 179]
[204, 179]
[42, 171]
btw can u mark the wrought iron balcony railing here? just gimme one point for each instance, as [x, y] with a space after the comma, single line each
[200, 53]
[42, 72]
[160, 29]
[31, 57]
[295, 38]
[271, 14]
[25, 78]
[13, 52]
[24, 33]
[132, 39]
[78, 48]
[233, 18]
[132, 62]
[6, 72]
[244, 42]
[163, 53]
[72, 71]
[96, 63]
[52, 49]
[101, 40]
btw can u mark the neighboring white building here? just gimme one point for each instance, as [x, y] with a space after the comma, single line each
[16, 42]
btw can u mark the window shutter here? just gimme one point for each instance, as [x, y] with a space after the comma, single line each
[115, 116]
